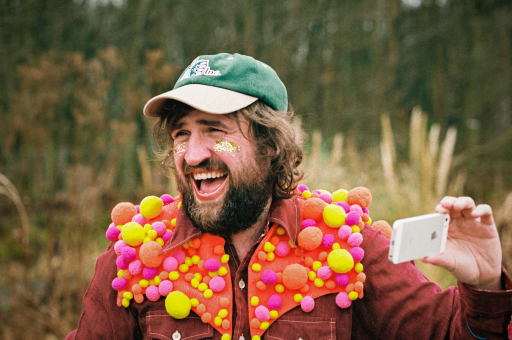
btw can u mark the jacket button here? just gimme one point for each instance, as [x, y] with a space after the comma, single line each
[176, 336]
[241, 284]
[241, 337]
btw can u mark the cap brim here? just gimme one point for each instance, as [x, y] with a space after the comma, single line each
[204, 98]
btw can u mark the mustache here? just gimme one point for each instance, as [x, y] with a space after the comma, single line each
[206, 165]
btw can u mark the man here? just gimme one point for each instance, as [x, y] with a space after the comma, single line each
[234, 152]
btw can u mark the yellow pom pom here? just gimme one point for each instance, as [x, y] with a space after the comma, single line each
[319, 282]
[290, 243]
[358, 267]
[147, 228]
[147, 239]
[336, 246]
[183, 268]
[223, 313]
[178, 305]
[174, 275]
[279, 288]
[157, 280]
[256, 267]
[188, 261]
[208, 293]
[126, 303]
[340, 261]
[198, 276]
[224, 258]
[270, 256]
[143, 283]
[222, 271]
[194, 282]
[352, 296]
[355, 229]
[280, 231]
[274, 314]
[133, 234]
[264, 325]
[202, 287]
[128, 295]
[255, 301]
[151, 206]
[369, 222]
[173, 222]
[179, 205]
[152, 234]
[256, 337]
[306, 194]
[297, 298]
[317, 265]
[152, 283]
[213, 274]
[225, 337]
[195, 259]
[334, 215]
[160, 241]
[268, 247]
[217, 321]
[120, 273]
[340, 195]
[194, 302]
[312, 275]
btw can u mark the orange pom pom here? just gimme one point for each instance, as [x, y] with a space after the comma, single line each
[309, 262]
[206, 279]
[358, 287]
[260, 285]
[123, 213]
[163, 275]
[304, 289]
[361, 277]
[196, 243]
[384, 227]
[313, 208]
[330, 284]
[350, 288]
[138, 298]
[224, 302]
[255, 323]
[322, 256]
[274, 240]
[206, 317]
[200, 264]
[295, 276]
[262, 256]
[200, 309]
[279, 277]
[361, 196]
[136, 289]
[310, 238]
[192, 251]
[226, 324]
[148, 254]
[219, 250]
[189, 277]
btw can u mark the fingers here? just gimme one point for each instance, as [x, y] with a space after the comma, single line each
[456, 206]
[484, 212]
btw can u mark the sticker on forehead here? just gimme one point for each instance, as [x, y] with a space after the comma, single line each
[226, 146]
[179, 148]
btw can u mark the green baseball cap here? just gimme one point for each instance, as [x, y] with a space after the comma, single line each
[224, 83]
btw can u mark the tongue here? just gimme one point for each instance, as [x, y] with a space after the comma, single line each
[210, 185]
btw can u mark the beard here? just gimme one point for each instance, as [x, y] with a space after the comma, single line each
[241, 206]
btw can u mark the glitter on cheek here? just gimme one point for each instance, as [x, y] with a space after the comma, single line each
[226, 146]
[179, 148]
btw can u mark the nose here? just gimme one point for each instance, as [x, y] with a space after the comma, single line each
[198, 150]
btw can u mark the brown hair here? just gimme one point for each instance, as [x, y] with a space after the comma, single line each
[275, 134]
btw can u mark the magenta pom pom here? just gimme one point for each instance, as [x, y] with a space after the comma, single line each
[344, 205]
[119, 283]
[344, 232]
[119, 246]
[352, 218]
[170, 264]
[137, 207]
[342, 300]
[121, 262]
[159, 227]
[149, 273]
[269, 277]
[355, 239]
[211, 265]
[282, 248]
[166, 199]
[324, 272]
[341, 280]
[262, 313]
[217, 284]
[167, 236]
[113, 233]
[135, 267]
[129, 253]
[179, 255]
[302, 188]
[327, 198]
[365, 211]
[316, 192]
[275, 302]
[307, 304]
[357, 209]
[308, 223]
[139, 219]
[165, 287]
[357, 253]
[328, 240]
[152, 293]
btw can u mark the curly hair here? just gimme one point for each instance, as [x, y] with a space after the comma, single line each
[276, 136]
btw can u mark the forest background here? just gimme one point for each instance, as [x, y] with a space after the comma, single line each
[411, 98]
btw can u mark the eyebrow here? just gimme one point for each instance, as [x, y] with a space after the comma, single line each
[214, 123]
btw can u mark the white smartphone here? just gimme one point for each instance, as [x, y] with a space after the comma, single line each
[419, 236]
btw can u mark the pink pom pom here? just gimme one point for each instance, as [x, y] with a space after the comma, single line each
[342, 300]
[113, 233]
[167, 236]
[152, 293]
[165, 287]
[129, 253]
[352, 218]
[357, 209]
[121, 262]
[269, 277]
[119, 246]
[302, 188]
[262, 313]
[149, 273]
[137, 207]
[166, 199]
[341, 280]
[328, 240]
[119, 283]
[135, 267]
[365, 211]
[112, 225]
[217, 284]
[307, 304]
[282, 248]
[212, 265]
[139, 219]
[159, 227]
[324, 272]
[170, 264]
[344, 205]
[179, 255]
[275, 302]
[327, 198]
[308, 223]
[355, 239]
[357, 253]
[344, 232]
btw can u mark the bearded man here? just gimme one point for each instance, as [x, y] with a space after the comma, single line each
[252, 256]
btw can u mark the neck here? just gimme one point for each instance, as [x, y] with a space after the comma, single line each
[244, 240]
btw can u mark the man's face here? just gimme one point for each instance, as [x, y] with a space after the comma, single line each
[224, 187]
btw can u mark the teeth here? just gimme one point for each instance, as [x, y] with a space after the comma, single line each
[204, 175]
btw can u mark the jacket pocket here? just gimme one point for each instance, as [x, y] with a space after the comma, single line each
[302, 327]
[160, 325]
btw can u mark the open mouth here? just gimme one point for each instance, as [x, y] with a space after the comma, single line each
[209, 185]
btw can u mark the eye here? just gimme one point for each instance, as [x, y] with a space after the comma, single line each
[179, 133]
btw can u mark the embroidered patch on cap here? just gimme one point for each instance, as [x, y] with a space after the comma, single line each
[199, 67]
